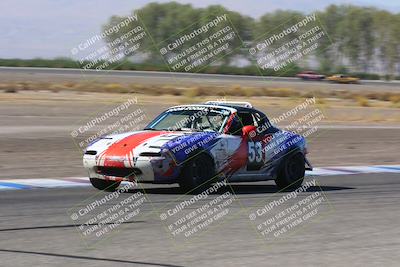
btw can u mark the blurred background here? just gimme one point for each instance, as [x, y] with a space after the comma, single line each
[364, 36]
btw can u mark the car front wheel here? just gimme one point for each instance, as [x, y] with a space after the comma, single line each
[197, 174]
[105, 185]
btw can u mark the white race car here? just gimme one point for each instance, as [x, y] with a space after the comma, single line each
[196, 145]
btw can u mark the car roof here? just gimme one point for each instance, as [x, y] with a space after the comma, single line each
[227, 106]
[231, 109]
[239, 108]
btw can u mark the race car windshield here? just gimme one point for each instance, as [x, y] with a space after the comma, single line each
[189, 120]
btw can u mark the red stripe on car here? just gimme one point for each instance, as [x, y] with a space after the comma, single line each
[118, 152]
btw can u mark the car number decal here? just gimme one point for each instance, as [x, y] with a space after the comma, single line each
[255, 156]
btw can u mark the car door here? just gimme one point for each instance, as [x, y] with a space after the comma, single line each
[256, 154]
[260, 144]
[245, 154]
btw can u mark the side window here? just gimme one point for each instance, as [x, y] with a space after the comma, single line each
[242, 119]
[257, 119]
[235, 128]
[263, 123]
[260, 119]
[246, 118]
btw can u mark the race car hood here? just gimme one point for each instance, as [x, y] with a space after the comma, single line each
[120, 150]
[188, 145]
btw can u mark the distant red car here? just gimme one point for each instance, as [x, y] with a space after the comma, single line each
[310, 75]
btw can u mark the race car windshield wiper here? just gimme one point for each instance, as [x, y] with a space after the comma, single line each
[162, 129]
[187, 129]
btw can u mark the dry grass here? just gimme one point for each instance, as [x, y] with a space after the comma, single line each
[337, 111]
[395, 99]
[362, 101]
[10, 90]
[321, 101]
[190, 92]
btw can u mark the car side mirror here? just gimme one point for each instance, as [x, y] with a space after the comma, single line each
[249, 131]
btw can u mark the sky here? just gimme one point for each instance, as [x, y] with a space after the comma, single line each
[50, 28]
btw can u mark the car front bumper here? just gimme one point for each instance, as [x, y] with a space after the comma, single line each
[141, 172]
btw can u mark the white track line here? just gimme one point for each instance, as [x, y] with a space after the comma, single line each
[17, 184]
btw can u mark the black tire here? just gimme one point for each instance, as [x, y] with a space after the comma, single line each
[291, 172]
[197, 174]
[105, 185]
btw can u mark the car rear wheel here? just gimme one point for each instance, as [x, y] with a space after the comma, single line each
[197, 174]
[291, 173]
[105, 185]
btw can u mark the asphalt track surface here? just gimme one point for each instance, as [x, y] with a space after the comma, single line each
[163, 77]
[358, 226]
